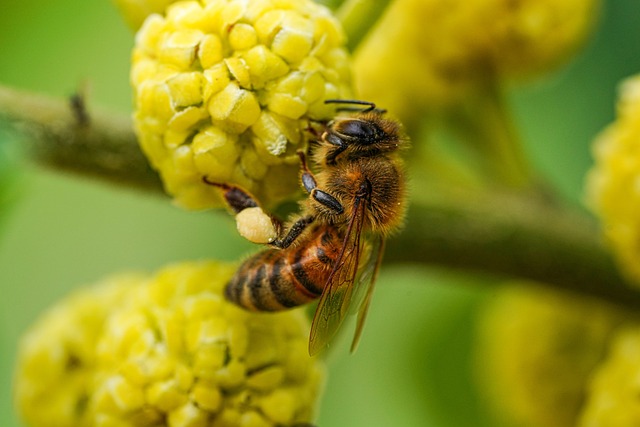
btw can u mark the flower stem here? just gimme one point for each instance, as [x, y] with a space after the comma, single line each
[502, 235]
[512, 236]
[63, 134]
[358, 17]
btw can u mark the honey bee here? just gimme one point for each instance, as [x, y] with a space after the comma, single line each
[333, 248]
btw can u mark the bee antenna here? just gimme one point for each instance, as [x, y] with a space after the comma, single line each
[369, 106]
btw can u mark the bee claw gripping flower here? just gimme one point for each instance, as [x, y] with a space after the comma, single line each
[224, 89]
[166, 350]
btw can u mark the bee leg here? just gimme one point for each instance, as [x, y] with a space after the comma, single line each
[237, 198]
[294, 231]
[310, 185]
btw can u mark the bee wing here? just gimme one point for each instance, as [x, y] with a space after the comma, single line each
[365, 285]
[337, 293]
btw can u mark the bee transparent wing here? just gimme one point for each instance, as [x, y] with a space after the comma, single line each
[364, 288]
[337, 294]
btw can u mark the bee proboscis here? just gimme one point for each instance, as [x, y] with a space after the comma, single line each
[356, 199]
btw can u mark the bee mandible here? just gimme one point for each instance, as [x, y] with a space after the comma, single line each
[332, 249]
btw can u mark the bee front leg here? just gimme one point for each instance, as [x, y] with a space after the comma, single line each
[310, 185]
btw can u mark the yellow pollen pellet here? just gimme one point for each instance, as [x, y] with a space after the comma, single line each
[255, 226]
[242, 36]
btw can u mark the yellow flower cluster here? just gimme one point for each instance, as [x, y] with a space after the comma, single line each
[432, 52]
[614, 389]
[536, 352]
[166, 350]
[612, 187]
[225, 89]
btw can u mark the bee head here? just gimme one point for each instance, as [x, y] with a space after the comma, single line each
[362, 135]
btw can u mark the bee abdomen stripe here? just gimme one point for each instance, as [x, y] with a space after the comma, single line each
[301, 275]
[258, 290]
[277, 287]
[233, 290]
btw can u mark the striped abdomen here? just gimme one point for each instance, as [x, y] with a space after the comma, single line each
[277, 279]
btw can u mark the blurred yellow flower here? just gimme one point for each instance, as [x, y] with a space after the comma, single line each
[428, 54]
[613, 184]
[56, 362]
[614, 389]
[536, 351]
[168, 350]
[226, 88]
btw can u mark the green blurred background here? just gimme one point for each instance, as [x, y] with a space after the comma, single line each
[59, 232]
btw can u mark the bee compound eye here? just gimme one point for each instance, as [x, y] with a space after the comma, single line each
[358, 129]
